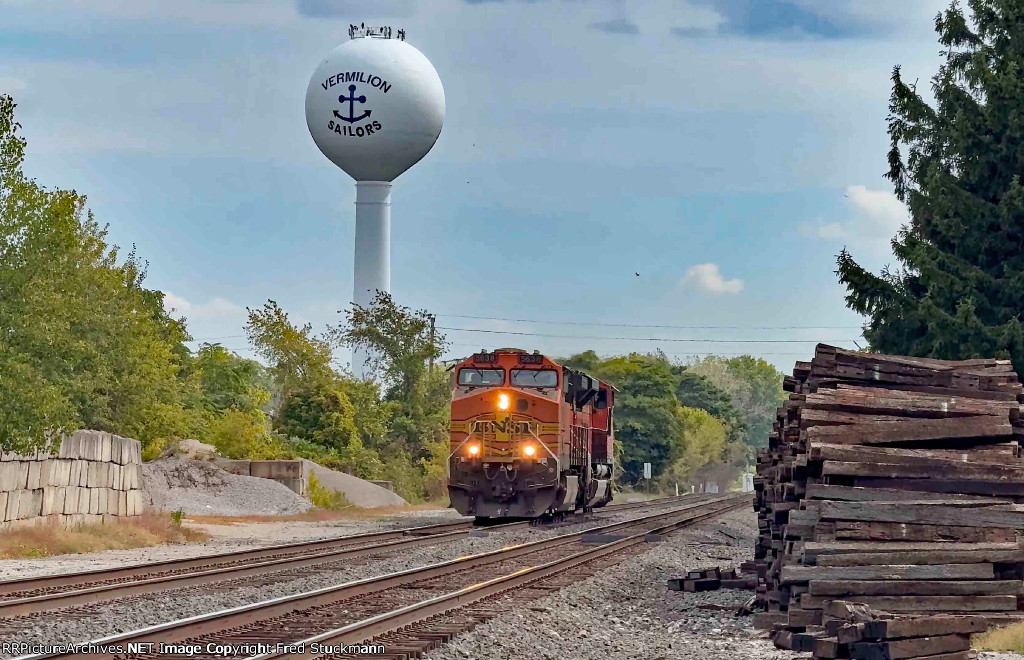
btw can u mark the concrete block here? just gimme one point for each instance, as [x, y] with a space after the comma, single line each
[67, 446]
[53, 500]
[297, 486]
[112, 502]
[234, 467]
[106, 447]
[104, 501]
[71, 499]
[93, 476]
[135, 503]
[122, 503]
[8, 476]
[83, 474]
[45, 473]
[22, 479]
[114, 472]
[13, 504]
[134, 479]
[30, 504]
[33, 475]
[3, 507]
[94, 501]
[276, 469]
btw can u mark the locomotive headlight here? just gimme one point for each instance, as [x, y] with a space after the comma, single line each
[503, 401]
[474, 450]
[529, 451]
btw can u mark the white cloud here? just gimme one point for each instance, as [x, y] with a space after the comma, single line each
[707, 277]
[878, 215]
[212, 309]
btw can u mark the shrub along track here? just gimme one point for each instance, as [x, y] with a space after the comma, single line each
[47, 593]
[418, 609]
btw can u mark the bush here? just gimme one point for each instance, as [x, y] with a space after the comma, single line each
[325, 498]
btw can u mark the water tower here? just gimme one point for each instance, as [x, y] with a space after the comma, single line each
[374, 106]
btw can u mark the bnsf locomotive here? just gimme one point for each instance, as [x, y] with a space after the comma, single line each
[529, 437]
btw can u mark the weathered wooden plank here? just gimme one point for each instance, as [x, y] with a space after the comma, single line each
[909, 648]
[852, 494]
[1003, 489]
[915, 603]
[812, 550]
[891, 402]
[872, 531]
[949, 471]
[1008, 394]
[812, 418]
[850, 453]
[921, 514]
[899, 628]
[791, 574]
[923, 557]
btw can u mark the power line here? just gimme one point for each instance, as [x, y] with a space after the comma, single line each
[669, 339]
[677, 327]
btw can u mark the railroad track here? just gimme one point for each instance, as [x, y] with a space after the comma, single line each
[47, 593]
[413, 609]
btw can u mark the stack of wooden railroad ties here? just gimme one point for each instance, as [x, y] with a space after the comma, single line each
[891, 482]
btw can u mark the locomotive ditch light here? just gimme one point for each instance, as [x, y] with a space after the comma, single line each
[529, 451]
[503, 401]
[474, 450]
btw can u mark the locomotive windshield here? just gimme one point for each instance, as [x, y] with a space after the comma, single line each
[481, 377]
[535, 377]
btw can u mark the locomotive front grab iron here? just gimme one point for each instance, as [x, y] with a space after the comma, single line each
[529, 437]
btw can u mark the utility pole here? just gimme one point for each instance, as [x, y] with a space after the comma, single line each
[431, 342]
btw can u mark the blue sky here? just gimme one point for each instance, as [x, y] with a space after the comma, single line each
[725, 150]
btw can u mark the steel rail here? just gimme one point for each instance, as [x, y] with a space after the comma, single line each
[214, 622]
[363, 632]
[147, 578]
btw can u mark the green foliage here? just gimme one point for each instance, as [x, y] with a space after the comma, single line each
[298, 360]
[324, 498]
[753, 385]
[229, 381]
[177, 517]
[400, 435]
[956, 164]
[82, 342]
[677, 421]
[239, 434]
[397, 340]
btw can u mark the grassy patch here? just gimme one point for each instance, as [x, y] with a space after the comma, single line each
[321, 515]
[1010, 638]
[51, 539]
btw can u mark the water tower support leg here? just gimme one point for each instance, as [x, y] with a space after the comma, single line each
[372, 270]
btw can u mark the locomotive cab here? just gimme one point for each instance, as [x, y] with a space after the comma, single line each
[528, 437]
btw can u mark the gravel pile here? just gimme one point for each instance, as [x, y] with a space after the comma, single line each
[201, 488]
[628, 613]
[84, 624]
[358, 491]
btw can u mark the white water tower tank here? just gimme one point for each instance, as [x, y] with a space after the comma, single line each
[374, 107]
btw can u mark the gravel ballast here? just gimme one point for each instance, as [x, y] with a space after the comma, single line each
[201, 488]
[84, 624]
[627, 612]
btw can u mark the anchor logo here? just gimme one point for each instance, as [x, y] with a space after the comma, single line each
[351, 100]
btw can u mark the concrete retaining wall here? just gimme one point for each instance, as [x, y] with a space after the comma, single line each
[289, 473]
[93, 477]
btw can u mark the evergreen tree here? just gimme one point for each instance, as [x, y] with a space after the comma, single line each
[959, 292]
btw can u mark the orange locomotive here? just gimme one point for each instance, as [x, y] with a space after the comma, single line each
[529, 437]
